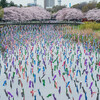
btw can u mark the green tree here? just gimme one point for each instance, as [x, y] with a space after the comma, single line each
[11, 4]
[56, 8]
[79, 6]
[92, 5]
[21, 5]
[1, 12]
[16, 5]
[98, 5]
[76, 6]
[3, 3]
[85, 8]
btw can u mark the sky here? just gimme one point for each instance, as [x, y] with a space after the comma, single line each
[41, 2]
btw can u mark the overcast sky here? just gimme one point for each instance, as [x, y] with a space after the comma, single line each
[41, 2]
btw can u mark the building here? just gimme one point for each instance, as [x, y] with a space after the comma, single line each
[59, 2]
[35, 2]
[32, 4]
[49, 3]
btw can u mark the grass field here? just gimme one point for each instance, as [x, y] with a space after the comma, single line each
[88, 32]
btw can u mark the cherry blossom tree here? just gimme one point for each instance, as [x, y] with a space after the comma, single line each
[25, 13]
[93, 14]
[68, 14]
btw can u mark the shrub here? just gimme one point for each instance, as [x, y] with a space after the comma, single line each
[90, 25]
[1, 12]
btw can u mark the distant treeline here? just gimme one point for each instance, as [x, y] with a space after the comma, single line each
[4, 3]
[84, 6]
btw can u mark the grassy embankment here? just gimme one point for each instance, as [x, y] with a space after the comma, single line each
[88, 32]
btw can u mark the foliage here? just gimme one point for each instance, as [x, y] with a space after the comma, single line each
[3, 3]
[11, 4]
[81, 35]
[84, 6]
[21, 5]
[90, 25]
[92, 5]
[56, 8]
[79, 6]
[1, 13]
[98, 5]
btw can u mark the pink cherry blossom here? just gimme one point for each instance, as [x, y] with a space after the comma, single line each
[25, 13]
[93, 14]
[68, 14]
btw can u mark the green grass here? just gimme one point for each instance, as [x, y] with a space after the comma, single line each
[90, 25]
[89, 32]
